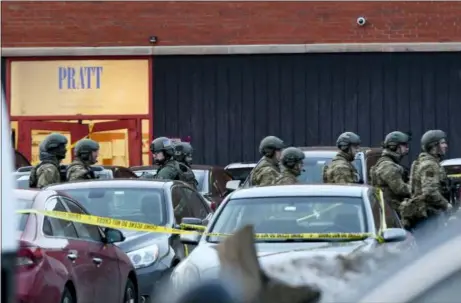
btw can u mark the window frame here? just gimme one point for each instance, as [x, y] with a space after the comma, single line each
[49, 218]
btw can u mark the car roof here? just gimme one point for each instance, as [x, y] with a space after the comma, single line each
[333, 190]
[455, 161]
[26, 194]
[112, 183]
[240, 165]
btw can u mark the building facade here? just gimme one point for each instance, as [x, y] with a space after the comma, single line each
[228, 73]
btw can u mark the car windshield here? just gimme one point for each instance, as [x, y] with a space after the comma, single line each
[144, 205]
[292, 215]
[23, 204]
[313, 169]
[200, 177]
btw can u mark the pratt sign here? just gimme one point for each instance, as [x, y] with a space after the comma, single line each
[85, 87]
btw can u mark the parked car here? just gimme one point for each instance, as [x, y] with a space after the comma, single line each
[452, 167]
[239, 171]
[319, 156]
[211, 180]
[23, 173]
[160, 202]
[294, 209]
[63, 261]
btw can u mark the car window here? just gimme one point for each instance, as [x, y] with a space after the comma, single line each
[392, 219]
[219, 179]
[313, 169]
[452, 169]
[446, 290]
[57, 227]
[293, 215]
[376, 209]
[22, 218]
[200, 177]
[196, 204]
[146, 205]
[239, 173]
[84, 231]
[180, 205]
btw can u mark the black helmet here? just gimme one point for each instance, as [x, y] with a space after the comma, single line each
[396, 138]
[84, 148]
[347, 139]
[292, 156]
[162, 144]
[183, 151]
[431, 138]
[270, 144]
[54, 144]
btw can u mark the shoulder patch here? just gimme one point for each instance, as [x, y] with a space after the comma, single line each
[166, 143]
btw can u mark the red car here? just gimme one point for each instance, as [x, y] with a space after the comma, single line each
[64, 262]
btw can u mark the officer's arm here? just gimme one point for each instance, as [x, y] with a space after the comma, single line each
[393, 178]
[77, 173]
[167, 173]
[49, 174]
[430, 182]
[343, 175]
[324, 174]
[267, 176]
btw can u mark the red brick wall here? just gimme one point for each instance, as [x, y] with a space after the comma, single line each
[27, 24]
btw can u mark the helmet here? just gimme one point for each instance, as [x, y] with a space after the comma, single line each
[432, 138]
[396, 138]
[84, 148]
[54, 144]
[270, 144]
[182, 151]
[346, 139]
[162, 144]
[291, 156]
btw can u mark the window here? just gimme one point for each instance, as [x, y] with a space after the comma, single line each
[180, 205]
[84, 231]
[196, 204]
[23, 204]
[200, 177]
[219, 179]
[392, 219]
[57, 227]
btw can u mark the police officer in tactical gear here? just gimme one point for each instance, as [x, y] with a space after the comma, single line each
[183, 154]
[162, 149]
[292, 166]
[267, 170]
[428, 182]
[341, 170]
[86, 153]
[388, 174]
[52, 151]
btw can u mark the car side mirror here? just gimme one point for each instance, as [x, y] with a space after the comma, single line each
[232, 185]
[190, 239]
[394, 235]
[112, 235]
[192, 221]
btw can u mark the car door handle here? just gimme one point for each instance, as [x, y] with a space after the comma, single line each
[97, 261]
[72, 256]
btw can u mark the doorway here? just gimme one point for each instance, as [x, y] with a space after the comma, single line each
[120, 140]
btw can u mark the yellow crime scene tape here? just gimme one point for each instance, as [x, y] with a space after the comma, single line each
[454, 176]
[139, 226]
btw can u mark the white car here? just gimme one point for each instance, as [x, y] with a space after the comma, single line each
[9, 218]
[452, 167]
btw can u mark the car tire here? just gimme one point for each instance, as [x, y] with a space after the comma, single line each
[67, 296]
[130, 295]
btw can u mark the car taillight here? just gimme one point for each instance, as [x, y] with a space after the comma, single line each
[213, 206]
[29, 256]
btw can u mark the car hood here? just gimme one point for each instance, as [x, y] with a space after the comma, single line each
[205, 257]
[138, 239]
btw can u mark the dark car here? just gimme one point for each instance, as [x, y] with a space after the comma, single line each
[295, 209]
[23, 173]
[160, 202]
[20, 160]
[121, 172]
[63, 261]
[211, 180]
[319, 156]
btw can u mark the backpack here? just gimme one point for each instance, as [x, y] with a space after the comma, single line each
[33, 179]
[187, 175]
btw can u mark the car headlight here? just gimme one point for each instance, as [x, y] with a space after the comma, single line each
[144, 257]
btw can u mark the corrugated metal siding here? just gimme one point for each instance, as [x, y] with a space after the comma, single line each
[227, 104]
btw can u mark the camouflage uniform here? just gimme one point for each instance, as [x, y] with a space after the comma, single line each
[51, 152]
[292, 159]
[341, 170]
[427, 179]
[183, 155]
[80, 168]
[169, 168]
[267, 170]
[388, 174]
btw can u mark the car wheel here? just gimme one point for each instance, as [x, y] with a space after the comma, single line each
[67, 296]
[130, 293]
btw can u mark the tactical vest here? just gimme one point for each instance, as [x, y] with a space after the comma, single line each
[89, 172]
[33, 179]
[187, 175]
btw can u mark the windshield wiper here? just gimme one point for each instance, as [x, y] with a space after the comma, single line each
[331, 240]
